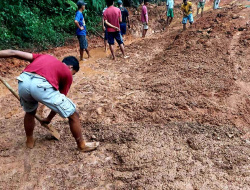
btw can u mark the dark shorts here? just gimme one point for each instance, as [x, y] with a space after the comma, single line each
[106, 35]
[123, 27]
[83, 42]
[112, 36]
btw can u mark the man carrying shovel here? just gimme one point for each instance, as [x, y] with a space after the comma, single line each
[47, 80]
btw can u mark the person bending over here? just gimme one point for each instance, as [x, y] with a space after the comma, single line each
[47, 80]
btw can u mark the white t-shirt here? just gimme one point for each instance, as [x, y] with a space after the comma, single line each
[170, 4]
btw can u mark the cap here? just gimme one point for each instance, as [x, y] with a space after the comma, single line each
[119, 2]
[81, 3]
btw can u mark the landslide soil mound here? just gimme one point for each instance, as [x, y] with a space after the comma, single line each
[172, 116]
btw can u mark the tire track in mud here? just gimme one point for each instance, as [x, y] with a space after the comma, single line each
[241, 96]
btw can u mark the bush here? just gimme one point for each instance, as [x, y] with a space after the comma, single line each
[41, 24]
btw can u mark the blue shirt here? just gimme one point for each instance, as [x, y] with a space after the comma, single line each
[80, 19]
[170, 4]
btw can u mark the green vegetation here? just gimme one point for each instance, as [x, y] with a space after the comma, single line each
[41, 24]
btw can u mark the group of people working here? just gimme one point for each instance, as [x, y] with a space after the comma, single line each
[114, 24]
[187, 10]
[115, 21]
[47, 80]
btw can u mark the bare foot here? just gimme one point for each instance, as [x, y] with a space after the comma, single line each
[88, 146]
[30, 142]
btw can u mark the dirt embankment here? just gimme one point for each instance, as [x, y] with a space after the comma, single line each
[172, 116]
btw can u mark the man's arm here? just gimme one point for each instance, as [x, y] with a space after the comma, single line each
[112, 26]
[49, 118]
[146, 17]
[120, 19]
[146, 14]
[17, 54]
[103, 26]
[191, 9]
[127, 18]
[78, 25]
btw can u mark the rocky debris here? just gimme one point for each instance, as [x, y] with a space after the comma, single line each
[235, 16]
[193, 143]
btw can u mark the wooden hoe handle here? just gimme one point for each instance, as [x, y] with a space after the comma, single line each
[50, 128]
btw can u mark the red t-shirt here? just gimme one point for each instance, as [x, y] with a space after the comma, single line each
[56, 72]
[112, 15]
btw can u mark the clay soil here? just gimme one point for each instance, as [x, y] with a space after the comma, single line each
[175, 115]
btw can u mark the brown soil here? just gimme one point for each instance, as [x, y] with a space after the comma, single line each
[175, 115]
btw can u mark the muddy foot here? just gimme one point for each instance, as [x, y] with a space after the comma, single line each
[30, 143]
[89, 146]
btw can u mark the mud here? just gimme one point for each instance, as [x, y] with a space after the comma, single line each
[172, 116]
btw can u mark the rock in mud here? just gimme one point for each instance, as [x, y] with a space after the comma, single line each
[99, 111]
[235, 16]
[192, 143]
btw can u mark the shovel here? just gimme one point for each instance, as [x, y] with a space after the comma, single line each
[49, 127]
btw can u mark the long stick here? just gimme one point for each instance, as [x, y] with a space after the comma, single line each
[51, 129]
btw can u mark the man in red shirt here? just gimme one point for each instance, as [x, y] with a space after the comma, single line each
[47, 80]
[144, 18]
[112, 17]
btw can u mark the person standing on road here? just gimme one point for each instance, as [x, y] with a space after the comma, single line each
[105, 30]
[47, 80]
[112, 18]
[170, 11]
[125, 18]
[144, 18]
[201, 4]
[81, 31]
[186, 8]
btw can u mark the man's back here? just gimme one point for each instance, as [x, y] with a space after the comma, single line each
[124, 12]
[144, 13]
[112, 15]
[56, 72]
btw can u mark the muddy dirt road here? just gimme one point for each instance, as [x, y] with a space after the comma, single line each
[173, 116]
